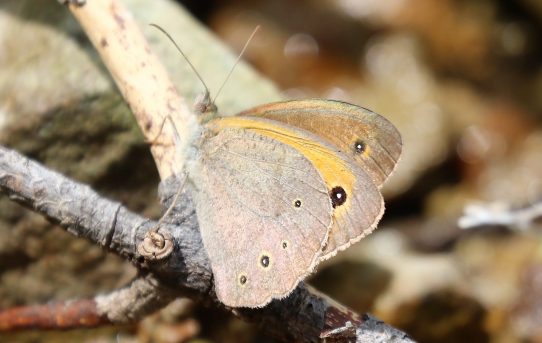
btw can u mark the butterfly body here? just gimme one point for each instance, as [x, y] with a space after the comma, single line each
[281, 187]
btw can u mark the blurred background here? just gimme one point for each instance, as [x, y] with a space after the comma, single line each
[462, 81]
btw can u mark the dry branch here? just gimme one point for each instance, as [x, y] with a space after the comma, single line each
[140, 77]
[304, 316]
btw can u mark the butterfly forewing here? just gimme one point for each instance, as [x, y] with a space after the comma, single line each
[356, 201]
[356, 217]
[366, 137]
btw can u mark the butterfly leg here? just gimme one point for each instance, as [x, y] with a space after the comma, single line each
[158, 245]
[155, 141]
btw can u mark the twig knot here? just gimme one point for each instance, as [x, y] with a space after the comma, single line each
[156, 245]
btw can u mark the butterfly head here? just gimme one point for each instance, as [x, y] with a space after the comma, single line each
[205, 108]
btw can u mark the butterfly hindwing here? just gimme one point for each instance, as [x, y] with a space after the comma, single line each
[264, 214]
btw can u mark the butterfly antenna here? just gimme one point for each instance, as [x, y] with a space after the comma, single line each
[185, 57]
[237, 61]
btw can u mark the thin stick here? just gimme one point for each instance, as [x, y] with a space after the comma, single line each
[500, 213]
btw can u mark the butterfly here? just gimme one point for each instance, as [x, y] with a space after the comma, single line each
[281, 187]
[284, 186]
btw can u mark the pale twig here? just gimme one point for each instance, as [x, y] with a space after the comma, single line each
[500, 213]
[136, 71]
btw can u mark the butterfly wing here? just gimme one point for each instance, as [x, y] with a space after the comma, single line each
[356, 201]
[264, 214]
[364, 136]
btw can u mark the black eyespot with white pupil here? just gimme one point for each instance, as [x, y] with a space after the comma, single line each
[242, 279]
[265, 261]
[297, 203]
[338, 196]
[360, 146]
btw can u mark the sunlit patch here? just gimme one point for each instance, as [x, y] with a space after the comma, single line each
[301, 45]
